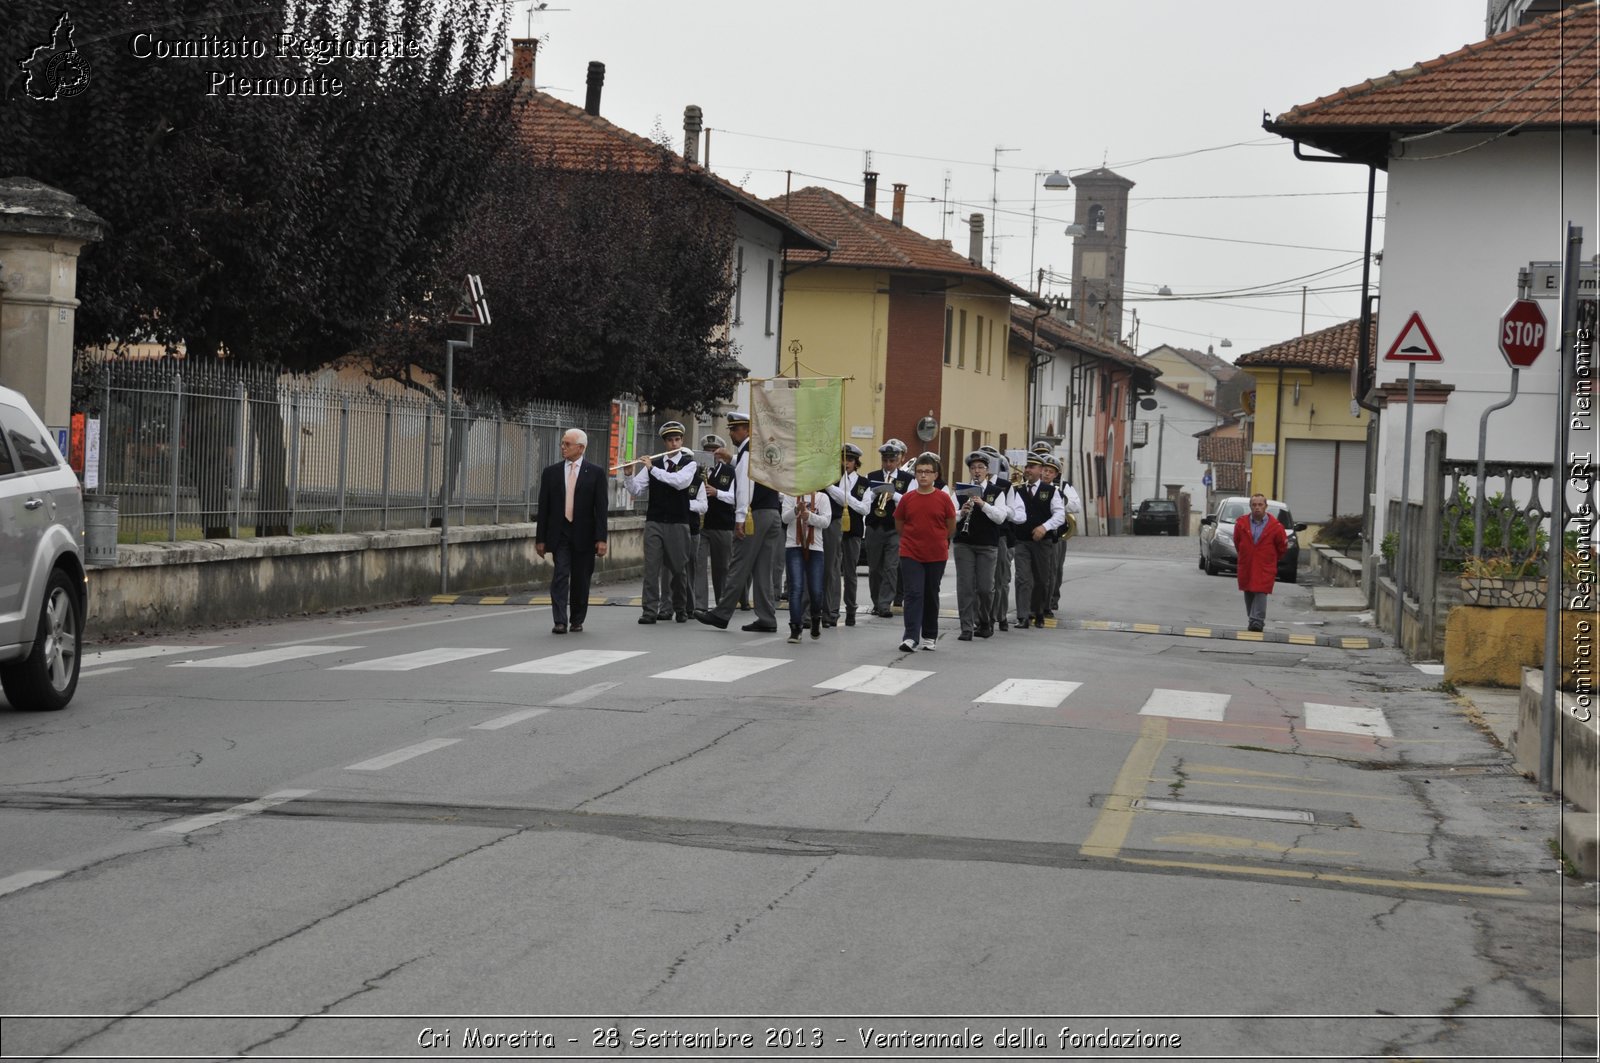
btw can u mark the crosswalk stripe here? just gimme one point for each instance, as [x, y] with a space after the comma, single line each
[724, 669]
[1186, 704]
[405, 662]
[1040, 693]
[389, 760]
[96, 658]
[258, 657]
[507, 720]
[1348, 719]
[23, 879]
[874, 679]
[572, 663]
[249, 808]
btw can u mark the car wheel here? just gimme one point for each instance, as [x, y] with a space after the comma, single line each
[1293, 576]
[1202, 562]
[47, 678]
[1211, 567]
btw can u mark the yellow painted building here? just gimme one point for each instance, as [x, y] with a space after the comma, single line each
[1308, 449]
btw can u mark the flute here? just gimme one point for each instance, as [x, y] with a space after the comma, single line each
[646, 458]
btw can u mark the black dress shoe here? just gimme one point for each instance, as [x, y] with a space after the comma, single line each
[559, 629]
[965, 636]
[850, 618]
[1005, 625]
[682, 618]
[707, 617]
[576, 628]
[756, 625]
[984, 632]
[647, 620]
[887, 613]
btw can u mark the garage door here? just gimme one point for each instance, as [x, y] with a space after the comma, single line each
[1323, 478]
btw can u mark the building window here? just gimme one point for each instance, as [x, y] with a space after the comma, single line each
[961, 341]
[738, 287]
[949, 316]
[771, 273]
[977, 363]
[1184, 388]
[991, 351]
[1003, 441]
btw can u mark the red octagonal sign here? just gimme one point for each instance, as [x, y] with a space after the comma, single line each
[1522, 330]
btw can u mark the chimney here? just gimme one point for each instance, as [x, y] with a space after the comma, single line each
[692, 121]
[523, 49]
[597, 77]
[975, 249]
[870, 198]
[899, 217]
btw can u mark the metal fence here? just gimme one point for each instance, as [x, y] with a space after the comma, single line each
[217, 450]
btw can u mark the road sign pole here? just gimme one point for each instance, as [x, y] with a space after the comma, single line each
[1558, 514]
[1405, 504]
[449, 464]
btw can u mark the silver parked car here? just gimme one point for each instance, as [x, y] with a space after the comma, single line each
[42, 589]
[1216, 538]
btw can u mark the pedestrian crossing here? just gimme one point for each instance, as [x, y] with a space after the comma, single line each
[887, 681]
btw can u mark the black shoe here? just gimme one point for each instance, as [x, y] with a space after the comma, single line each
[816, 626]
[706, 616]
[576, 628]
[745, 607]
[984, 632]
[756, 625]
[965, 636]
[831, 623]
[1050, 613]
[850, 618]
[897, 602]
[794, 632]
[1005, 626]
[1022, 622]
[559, 629]
[682, 618]
[1256, 625]
[887, 614]
[647, 620]
[1038, 621]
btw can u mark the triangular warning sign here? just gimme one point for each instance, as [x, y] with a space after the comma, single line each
[474, 308]
[1414, 344]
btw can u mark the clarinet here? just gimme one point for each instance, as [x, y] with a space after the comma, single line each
[967, 511]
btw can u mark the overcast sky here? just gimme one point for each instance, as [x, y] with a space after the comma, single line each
[1168, 93]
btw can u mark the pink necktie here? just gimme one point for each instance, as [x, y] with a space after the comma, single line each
[572, 484]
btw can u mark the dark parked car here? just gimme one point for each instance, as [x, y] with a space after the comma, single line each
[1156, 515]
[1216, 538]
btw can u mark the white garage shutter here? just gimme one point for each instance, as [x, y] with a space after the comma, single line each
[1323, 478]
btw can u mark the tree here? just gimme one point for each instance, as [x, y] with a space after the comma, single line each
[601, 281]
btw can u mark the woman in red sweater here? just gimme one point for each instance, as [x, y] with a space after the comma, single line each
[925, 519]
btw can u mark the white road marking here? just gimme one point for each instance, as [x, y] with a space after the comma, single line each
[874, 679]
[389, 760]
[96, 658]
[1350, 719]
[249, 808]
[508, 719]
[23, 879]
[103, 671]
[573, 662]
[1042, 693]
[1429, 669]
[1186, 704]
[724, 669]
[405, 662]
[578, 697]
[259, 657]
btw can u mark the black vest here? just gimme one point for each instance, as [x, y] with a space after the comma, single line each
[761, 496]
[1037, 508]
[668, 505]
[858, 523]
[882, 513]
[719, 515]
[1008, 530]
[978, 529]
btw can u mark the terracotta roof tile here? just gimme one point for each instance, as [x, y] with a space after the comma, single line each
[564, 136]
[1053, 333]
[1332, 348]
[1536, 76]
[871, 241]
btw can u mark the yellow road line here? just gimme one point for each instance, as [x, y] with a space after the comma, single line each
[1220, 769]
[1226, 841]
[1111, 826]
[1197, 632]
[1322, 876]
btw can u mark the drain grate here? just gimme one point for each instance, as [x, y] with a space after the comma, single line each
[1202, 808]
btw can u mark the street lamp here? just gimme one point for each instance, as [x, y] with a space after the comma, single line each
[1054, 181]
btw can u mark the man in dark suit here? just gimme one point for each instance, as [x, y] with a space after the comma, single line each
[572, 526]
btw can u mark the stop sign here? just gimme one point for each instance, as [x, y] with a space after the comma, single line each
[1522, 329]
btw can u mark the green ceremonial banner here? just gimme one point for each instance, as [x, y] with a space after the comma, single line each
[795, 431]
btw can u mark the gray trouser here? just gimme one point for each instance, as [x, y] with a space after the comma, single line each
[832, 557]
[849, 560]
[1033, 574]
[666, 556]
[883, 566]
[716, 547]
[974, 584]
[1052, 600]
[1000, 602]
[754, 558]
[1255, 606]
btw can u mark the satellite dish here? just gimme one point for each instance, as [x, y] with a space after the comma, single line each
[1148, 403]
[927, 428]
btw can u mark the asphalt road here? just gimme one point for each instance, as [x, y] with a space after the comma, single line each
[440, 831]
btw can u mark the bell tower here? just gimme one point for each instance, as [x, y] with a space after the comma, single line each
[1099, 251]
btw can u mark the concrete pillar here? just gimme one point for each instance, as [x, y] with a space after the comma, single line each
[41, 231]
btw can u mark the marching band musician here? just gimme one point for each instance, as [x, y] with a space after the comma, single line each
[1043, 513]
[716, 528]
[851, 504]
[668, 480]
[882, 539]
[1000, 598]
[805, 519]
[980, 518]
[757, 541]
[1072, 504]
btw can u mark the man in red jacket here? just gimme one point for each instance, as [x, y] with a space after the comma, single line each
[1259, 543]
